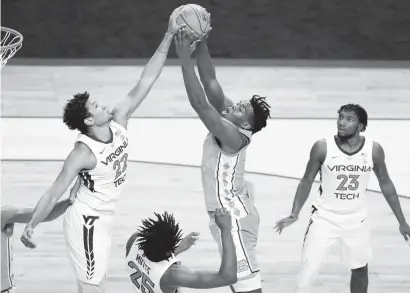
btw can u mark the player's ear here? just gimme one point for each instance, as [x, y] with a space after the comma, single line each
[89, 121]
[361, 128]
[246, 125]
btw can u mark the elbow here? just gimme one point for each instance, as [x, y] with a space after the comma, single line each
[230, 278]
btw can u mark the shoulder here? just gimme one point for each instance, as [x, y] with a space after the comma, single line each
[81, 156]
[172, 275]
[319, 149]
[377, 152]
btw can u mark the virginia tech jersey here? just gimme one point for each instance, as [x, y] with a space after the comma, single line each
[101, 187]
[344, 178]
[146, 275]
[223, 177]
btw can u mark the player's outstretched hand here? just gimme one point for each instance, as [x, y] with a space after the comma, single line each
[74, 190]
[27, 239]
[405, 231]
[188, 241]
[184, 45]
[282, 224]
[223, 219]
[173, 27]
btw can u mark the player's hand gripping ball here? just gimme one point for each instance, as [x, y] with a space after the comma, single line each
[196, 19]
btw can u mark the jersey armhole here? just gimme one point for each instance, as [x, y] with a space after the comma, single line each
[117, 125]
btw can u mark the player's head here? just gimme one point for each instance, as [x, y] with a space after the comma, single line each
[352, 120]
[250, 114]
[81, 113]
[158, 238]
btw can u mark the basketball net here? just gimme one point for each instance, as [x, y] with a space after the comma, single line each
[11, 42]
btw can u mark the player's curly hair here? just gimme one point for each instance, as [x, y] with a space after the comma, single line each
[159, 238]
[75, 111]
[261, 113]
[358, 110]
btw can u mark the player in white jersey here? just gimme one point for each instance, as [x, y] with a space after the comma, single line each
[100, 157]
[231, 127]
[344, 162]
[11, 215]
[151, 257]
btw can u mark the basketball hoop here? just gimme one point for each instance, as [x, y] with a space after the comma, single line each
[11, 42]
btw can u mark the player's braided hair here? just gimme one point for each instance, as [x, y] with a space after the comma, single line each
[159, 238]
[261, 113]
[358, 110]
[75, 111]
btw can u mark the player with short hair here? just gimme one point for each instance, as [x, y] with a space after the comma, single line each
[339, 214]
[231, 127]
[100, 157]
[11, 215]
[151, 257]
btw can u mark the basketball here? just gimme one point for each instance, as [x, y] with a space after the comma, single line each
[196, 18]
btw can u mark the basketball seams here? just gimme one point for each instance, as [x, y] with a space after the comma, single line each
[199, 18]
[189, 26]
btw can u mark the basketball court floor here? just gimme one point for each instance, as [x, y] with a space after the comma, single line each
[165, 150]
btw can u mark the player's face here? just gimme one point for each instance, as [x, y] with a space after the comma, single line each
[100, 114]
[347, 124]
[240, 114]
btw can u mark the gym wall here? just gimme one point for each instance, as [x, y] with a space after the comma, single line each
[282, 29]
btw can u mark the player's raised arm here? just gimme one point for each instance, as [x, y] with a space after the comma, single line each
[224, 130]
[179, 276]
[126, 107]
[208, 78]
[388, 189]
[80, 158]
[317, 157]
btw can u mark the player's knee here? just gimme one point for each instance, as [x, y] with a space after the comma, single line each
[360, 273]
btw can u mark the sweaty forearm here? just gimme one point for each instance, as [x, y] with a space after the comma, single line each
[228, 266]
[42, 209]
[302, 194]
[58, 210]
[206, 67]
[390, 194]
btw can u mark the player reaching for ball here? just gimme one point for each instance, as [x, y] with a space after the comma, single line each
[100, 158]
[231, 127]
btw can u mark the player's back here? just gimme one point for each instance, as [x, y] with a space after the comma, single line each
[145, 274]
[101, 187]
[7, 278]
[223, 177]
[344, 178]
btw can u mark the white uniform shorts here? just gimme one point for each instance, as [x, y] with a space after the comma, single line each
[245, 237]
[326, 229]
[88, 237]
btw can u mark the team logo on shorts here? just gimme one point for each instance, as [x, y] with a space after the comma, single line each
[242, 266]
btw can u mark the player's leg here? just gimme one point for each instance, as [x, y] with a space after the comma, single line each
[93, 288]
[357, 252]
[245, 236]
[320, 235]
[88, 242]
